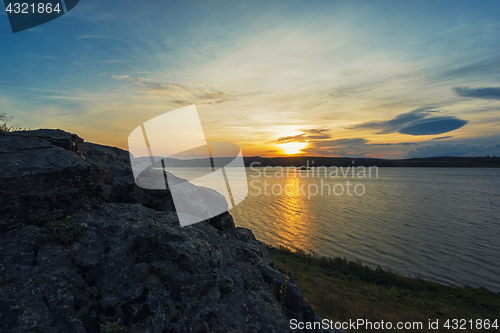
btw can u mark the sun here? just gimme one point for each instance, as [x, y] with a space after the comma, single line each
[291, 148]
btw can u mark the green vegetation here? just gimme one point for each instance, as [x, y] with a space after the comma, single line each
[280, 291]
[64, 232]
[339, 290]
[111, 327]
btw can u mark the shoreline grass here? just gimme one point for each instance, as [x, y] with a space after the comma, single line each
[339, 289]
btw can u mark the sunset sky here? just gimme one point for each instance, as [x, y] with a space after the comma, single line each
[389, 79]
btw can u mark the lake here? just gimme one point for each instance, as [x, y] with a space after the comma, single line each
[438, 223]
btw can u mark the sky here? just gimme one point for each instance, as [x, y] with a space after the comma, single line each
[388, 79]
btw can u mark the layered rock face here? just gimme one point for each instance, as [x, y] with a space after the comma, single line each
[43, 175]
[82, 249]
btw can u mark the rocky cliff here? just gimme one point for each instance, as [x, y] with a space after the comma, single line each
[83, 249]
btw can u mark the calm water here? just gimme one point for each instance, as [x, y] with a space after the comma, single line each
[441, 224]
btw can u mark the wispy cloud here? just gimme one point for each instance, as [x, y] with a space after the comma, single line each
[433, 126]
[393, 144]
[316, 131]
[90, 37]
[486, 66]
[291, 138]
[120, 77]
[395, 124]
[50, 90]
[485, 93]
[415, 122]
[310, 134]
[182, 94]
[41, 57]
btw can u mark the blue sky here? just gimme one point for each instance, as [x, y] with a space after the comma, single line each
[389, 79]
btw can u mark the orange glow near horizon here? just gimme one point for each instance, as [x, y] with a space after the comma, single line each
[292, 148]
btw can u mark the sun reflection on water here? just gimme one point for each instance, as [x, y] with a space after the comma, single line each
[297, 231]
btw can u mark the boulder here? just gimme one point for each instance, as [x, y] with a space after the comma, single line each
[43, 176]
[120, 186]
[80, 252]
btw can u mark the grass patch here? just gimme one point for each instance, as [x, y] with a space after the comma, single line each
[339, 289]
[111, 327]
[4, 119]
[64, 230]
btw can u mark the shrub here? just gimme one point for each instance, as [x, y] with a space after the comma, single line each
[4, 119]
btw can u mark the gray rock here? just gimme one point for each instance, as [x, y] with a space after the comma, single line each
[43, 176]
[136, 267]
[120, 185]
[72, 260]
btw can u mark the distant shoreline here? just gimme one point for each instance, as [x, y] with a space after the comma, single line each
[429, 162]
[317, 161]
